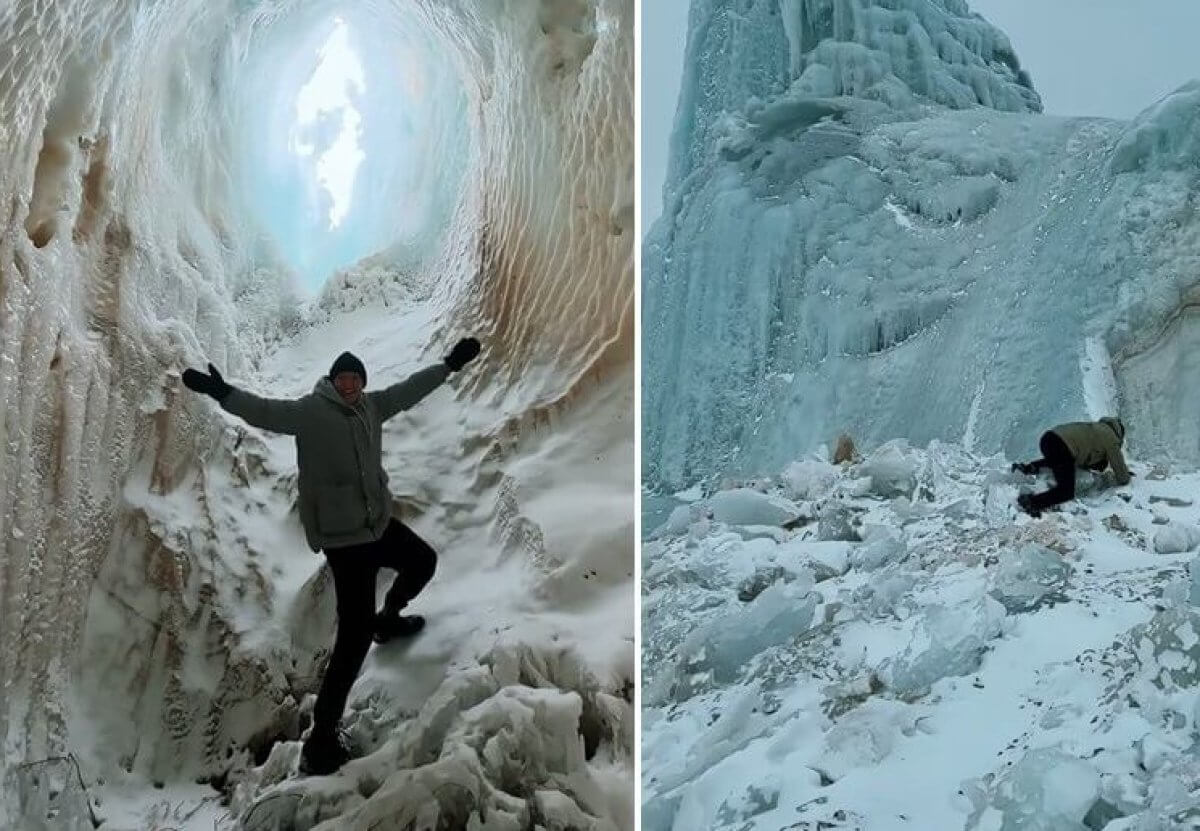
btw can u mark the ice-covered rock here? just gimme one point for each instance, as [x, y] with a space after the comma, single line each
[766, 576]
[911, 649]
[754, 800]
[1193, 582]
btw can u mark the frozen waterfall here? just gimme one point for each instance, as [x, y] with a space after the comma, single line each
[869, 227]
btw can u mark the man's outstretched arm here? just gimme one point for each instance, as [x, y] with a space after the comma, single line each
[407, 393]
[274, 414]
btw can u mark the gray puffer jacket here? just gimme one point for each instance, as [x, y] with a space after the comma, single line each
[344, 495]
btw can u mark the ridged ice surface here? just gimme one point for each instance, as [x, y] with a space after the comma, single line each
[875, 231]
[159, 613]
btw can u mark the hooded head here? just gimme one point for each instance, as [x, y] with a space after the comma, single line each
[1117, 426]
[348, 376]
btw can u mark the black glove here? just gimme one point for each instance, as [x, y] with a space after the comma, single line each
[1025, 501]
[465, 350]
[211, 384]
[1028, 468]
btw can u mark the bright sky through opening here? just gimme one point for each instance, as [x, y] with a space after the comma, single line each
[327, 104]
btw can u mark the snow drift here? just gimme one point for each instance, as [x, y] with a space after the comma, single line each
[160, 619]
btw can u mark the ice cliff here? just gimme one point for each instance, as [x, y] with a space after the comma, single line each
[869, 226]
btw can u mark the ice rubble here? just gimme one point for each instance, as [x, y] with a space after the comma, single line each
[969, 668]
[869, 226]
[161, 620]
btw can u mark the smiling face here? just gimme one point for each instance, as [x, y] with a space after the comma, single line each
[349, 386]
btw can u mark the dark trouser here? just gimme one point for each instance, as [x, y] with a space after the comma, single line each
[354, 570]
[1056, 456]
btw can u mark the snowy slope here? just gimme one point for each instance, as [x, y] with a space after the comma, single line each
[162, 620]
[885, 237]
[915, 654]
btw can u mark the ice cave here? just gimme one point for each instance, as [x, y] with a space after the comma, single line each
[263, 184]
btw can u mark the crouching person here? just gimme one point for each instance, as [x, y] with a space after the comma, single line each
[1089, 445]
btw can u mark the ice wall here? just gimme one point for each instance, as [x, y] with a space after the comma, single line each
[126, 256]
[894, 242]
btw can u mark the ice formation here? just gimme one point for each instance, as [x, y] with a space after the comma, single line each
[964, 666]
[160, 619]
[869, 226]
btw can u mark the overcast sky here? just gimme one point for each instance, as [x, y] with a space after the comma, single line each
[1087, 57]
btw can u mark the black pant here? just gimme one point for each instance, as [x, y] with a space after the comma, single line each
[355, 568]
[1056, 456]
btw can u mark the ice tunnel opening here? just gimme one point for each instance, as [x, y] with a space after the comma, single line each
[353, 135]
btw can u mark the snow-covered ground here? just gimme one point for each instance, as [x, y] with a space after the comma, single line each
[889, 645]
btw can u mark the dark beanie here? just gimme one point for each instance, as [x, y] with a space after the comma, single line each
[346, 362]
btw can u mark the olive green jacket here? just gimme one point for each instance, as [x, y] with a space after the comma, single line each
[344, 496]
[1095, 445]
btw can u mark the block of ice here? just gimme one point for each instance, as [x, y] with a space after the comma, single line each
[723, 645]
[947, 642]
[882, 546]
[828, 557]
[836, 524]
[1047, 790]
[744, 506]
[1168, 647]
[809, 479]
[1024, 579]
[885, 591]
[1176, 537]
[893, 470]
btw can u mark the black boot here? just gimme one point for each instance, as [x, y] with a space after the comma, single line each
[1025, 501]
[396, 625]
[324, 753]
